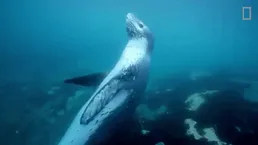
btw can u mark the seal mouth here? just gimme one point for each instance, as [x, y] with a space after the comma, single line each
[130, 20]
[132, 27]
[130, 16]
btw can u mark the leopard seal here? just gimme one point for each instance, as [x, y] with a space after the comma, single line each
[118, 94]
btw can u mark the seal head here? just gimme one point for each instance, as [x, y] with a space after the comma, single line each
[136, 29]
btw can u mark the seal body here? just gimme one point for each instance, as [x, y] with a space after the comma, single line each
[117, 95]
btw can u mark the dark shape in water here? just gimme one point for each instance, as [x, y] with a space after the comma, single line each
[90, 80]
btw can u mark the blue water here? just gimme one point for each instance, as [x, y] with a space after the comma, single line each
[49, 40]
[56, 38]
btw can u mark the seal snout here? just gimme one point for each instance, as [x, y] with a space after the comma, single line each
[135, 27]
[129, 16]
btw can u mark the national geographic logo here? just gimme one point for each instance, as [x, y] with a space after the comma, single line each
[247, 13]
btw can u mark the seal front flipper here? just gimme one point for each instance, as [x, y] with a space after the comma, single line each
[90, 80]
[112, 91]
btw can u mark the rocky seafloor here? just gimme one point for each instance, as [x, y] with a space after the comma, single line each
[176, 110]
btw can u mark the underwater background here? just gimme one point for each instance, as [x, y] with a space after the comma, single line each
[44, 42]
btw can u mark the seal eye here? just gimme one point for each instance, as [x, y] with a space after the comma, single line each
[140, 25]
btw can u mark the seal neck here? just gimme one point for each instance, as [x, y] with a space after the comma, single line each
[141, 43]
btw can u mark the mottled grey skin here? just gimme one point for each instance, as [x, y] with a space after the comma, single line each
[118, 93]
